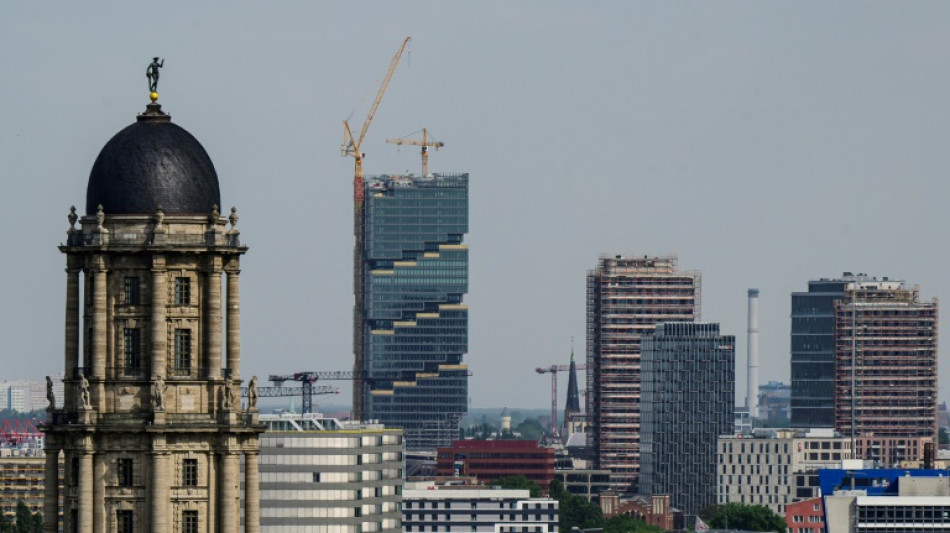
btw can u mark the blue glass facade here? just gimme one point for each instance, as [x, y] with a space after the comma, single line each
[415, 324]
[813, 353]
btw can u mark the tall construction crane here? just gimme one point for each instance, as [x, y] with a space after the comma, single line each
[425, 143]
[353, 147]
[553, 370]
[306, 391]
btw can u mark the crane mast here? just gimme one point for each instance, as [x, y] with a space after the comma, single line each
[353, 147]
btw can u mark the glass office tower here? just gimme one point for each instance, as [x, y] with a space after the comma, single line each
[415, 323]
[813, 351]
[687, 398]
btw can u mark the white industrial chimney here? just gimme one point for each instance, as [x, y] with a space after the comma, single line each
[752, 345]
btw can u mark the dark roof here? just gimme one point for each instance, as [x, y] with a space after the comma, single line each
[149, 164]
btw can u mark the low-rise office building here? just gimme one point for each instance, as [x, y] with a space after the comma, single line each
[492, 459]
[776, 469]
[323, 475]
[428, 507]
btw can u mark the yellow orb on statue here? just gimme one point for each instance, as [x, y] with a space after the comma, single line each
[154, 96]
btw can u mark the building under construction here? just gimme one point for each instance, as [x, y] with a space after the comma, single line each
[886, 370]
[626, 298]
[414, 322]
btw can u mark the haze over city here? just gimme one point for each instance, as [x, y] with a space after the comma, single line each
[765, 144]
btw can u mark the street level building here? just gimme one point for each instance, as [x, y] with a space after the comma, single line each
[687, 401]
[626, 298]
[886, 371]
[430, 507]
[806, 516]
[151, 429]
[414, 327]
[323, 475]
[776, 469]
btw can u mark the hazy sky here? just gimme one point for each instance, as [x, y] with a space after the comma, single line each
[765, 143]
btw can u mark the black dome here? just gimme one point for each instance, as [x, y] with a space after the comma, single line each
[149, 164]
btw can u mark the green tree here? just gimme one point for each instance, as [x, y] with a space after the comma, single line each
[628, 524]
[518, 482]
[575, 511]
[530, 429]
[747, 517]
[6, 526]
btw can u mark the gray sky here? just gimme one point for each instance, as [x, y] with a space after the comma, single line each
[765, 143]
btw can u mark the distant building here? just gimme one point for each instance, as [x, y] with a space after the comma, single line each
[24, 395]
[775, 403]
[492, 459]
[777, 469]
[463, 509]
[886, 371]
[654, 510]
[587, 484]
[412, 323]
[626, 298]
[687, 401]
[21, 479]
[813, 351]
[321, 474]
[806, 516]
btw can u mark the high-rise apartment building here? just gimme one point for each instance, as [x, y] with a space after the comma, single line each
[626, 298]
[321, 474]
[151, 428]
[886, 371]
[415, 323]
[686, 401]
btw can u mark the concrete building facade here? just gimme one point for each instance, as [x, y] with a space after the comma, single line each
[626, 298]
[428, 507]
[151, 429]
[323, 475]
[885, 500]
[687, 401]
[414, 327]
[776, 470]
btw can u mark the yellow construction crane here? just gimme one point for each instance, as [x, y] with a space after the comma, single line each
[425, 143]
[353, 147]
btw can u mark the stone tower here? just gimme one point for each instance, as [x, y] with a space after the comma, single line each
[152, 428]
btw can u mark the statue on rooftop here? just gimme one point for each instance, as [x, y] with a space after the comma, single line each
[152, 74]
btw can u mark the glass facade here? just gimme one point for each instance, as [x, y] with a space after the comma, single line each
[687, 399]
[415, 323]
[813, 353]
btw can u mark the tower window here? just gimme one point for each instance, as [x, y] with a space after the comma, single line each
[125, 471]
[183, 351]
[133, 348]
[189, 473]
[182, 291]
[189, 522]
[125, 521]
[132, 290]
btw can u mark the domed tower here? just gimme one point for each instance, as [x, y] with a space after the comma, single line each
[152, 427]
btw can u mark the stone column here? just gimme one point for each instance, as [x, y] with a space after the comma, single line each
[86, 489]
[159, 328]
[230, 478]
[72, 320]
[213, 315]
[51, 492]
[158, 493]
[99, 493]
[100, 335]
[234, 322]
[252, 493]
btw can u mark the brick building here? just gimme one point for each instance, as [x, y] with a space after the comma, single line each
[492, 459]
